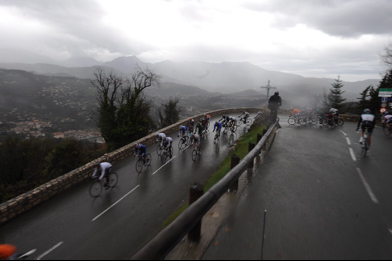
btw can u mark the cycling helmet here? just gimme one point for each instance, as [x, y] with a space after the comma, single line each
[366, 110]
[138, 145]
[97, 163]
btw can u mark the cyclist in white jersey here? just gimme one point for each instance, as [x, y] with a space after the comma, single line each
[368, 120]
[161, 138]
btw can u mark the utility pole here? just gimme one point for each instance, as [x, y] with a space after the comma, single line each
[268, 87]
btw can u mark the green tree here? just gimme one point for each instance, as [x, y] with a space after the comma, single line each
[364, 100]
[124, 112]
[171, 113]
[335, 96]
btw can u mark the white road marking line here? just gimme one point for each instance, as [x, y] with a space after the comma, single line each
[118, 201]
[50, 250]
[352, 154]
[367, 187]
[348, 141]
[163, 166]
[343, 133]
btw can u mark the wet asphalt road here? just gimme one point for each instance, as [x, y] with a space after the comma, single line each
[322, 199]
[122, 220]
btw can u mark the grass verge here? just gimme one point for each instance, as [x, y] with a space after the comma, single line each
[240, 149]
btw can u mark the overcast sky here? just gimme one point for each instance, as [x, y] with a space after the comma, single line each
[324, 38]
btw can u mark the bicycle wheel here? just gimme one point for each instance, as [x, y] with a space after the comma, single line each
[248, 122]
[182, 144]
[195, 154]
[139, 165]
[113, 179]
[291, 120]
[159, 150]
[164, 156]
[387, 130]
[148, 160]
[340, 122]
[95, 188]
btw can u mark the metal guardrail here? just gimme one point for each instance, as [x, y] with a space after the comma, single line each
[164, 242]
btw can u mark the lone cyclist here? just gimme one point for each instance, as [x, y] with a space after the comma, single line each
[368, 120]
[273, 104]
[104, 168]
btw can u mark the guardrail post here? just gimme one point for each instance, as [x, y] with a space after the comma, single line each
[195, 192]
[250, 148]
[234, 162]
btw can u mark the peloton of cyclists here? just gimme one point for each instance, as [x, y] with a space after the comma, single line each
[368, 120]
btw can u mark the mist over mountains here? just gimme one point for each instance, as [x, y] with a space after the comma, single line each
[225, 77]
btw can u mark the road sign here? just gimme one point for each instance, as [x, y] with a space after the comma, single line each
[385, 93]
[382, 110]
[384, 105]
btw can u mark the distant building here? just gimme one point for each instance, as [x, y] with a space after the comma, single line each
[58, 135]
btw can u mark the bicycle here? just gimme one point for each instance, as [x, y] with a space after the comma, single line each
[329, 121]
[217, 136]
[365, 145]
[159, 149]
[196, 152]
[243, 120]
[143, 162]
[339, 121]
[387, 129]
[183, 143]
[111, 179]
[166, 153]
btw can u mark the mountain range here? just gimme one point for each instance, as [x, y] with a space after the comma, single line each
[225, 77]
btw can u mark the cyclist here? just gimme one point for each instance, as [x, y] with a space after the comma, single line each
[168, 142]
[183, 130]
[204, 122]
[295, 112]
[199, 129]
[191, 125]
[387, 118]
[218, 127]
[7, 252]
[208, 117]
[161, 138]
[368, 120]
[195, 140]
[224, 120]
[142, 152]
[103, 167]
[245, 115]
[273, 104]
[232, 121]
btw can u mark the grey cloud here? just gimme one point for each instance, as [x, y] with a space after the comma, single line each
[349, 18]
[77, 26]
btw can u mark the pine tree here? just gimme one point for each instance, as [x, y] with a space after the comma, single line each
[364, 100]
[335, 97]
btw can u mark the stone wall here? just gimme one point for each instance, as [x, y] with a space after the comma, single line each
[28, 200]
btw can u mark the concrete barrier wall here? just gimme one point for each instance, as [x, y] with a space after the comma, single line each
[28, 200]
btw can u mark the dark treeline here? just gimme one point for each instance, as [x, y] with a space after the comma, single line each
[26, 164]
